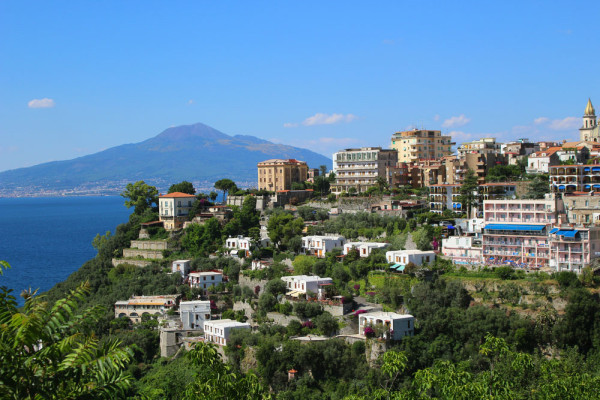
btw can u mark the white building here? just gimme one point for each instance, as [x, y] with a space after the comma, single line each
[194, 313]
[320, 245]
[301, 284]
[460, 250]
[181, 266]
[259, 264]
[174, 208]
[218, 331]
[364, 248]
[397, 325]
[359, 169]
[400, 258]
[205, 279]
[234, 244]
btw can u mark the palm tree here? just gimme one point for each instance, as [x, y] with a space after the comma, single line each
[51, 352]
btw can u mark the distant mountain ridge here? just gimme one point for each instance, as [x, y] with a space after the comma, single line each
[189, 152]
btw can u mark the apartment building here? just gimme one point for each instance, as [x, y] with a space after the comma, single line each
[360, 168]
[481, 146]
[540, 161]
[516, 231]
[319, 246]
[138, 306]
[174, 208]
[503, 190]
[219, 331]
[181, 266]
[582, 208]
[234, 244]
[277, 174]
[445, 197]
[421, 144]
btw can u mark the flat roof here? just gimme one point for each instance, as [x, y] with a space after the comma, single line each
[226, 323]
[386, 314]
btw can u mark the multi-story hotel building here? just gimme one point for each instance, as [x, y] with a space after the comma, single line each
[421, 144]
[574, 178]
[277, 174]
[360, 168]
[516, 231]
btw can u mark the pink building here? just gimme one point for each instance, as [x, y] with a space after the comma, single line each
[572, 248]
[516, 232]
[461, 250]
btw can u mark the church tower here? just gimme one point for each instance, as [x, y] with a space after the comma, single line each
[588, 131]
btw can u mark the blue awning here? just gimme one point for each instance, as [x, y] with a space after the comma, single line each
[587, 186]
[596, 169]
[401, 268]
[458, 206]
[567, 233]
[586, 169]
[505, 227]
[596, 186]
[395, 266]
[554, 230]
[450, 227]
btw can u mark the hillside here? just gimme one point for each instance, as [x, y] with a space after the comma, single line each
[189, 152]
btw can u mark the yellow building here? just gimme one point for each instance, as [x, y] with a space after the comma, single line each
[276, 174]
[421, 144]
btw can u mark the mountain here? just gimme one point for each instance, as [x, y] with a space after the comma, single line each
[195, 153]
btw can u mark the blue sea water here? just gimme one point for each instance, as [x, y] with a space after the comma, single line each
[45, 239]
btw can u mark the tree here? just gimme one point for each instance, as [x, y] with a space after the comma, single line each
[183, 187]
[538, 187]
[216, 380]
[467, 191]
[141, 196]
[50, 352]
[283, 226]
[226, 185]
[323, 170]
[213, 195]
[321, 185]
[382, 183]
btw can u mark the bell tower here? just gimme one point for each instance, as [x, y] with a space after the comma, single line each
[589, 123]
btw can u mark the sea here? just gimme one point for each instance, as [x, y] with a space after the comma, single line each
[45, 239]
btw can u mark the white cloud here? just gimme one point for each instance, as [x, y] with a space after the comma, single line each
[290, 125]
[565, 124]
[459, 136]
[41, 103]
[328, 119]
[191, 101]
[453, 122]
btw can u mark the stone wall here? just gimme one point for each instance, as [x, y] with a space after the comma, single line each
[240, 305]
[151, 254]
[338, 311]
[252, 283]
[137, 263]
[281, 319]
[149, 244]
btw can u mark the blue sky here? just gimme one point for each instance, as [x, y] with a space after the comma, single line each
[80, 77]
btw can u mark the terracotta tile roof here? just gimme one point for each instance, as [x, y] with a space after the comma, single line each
[176, 195]
[548, 152]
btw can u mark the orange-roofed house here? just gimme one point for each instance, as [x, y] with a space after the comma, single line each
[540, 161]
[174, 208]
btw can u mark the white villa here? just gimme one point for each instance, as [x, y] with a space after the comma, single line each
[400, 258]
[397, 325]
[205, 279]
[301, 284]
[320, 245]
[234, 244]
[218, 331]
[364, 248]
[194, 313]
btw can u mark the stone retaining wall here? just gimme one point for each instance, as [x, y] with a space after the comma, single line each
[137, 263]
[149, 244]
[151, 254]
